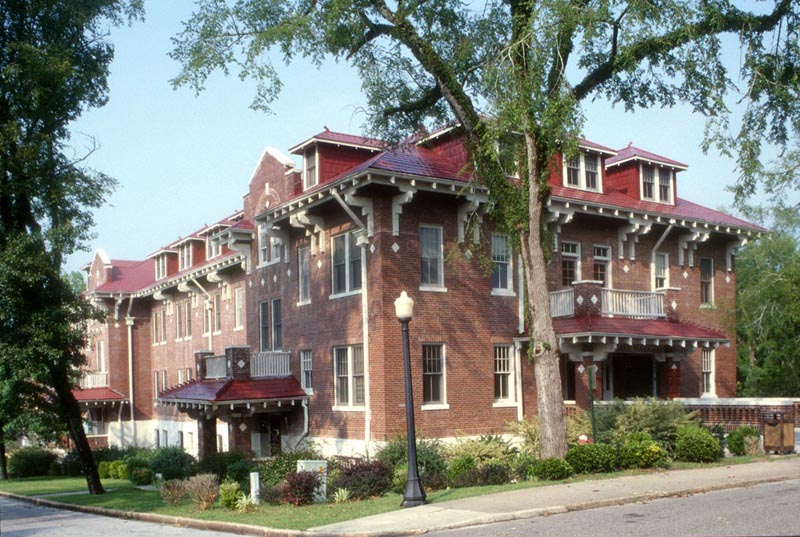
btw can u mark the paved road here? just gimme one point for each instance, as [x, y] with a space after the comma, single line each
[20, 519]
[770, 509]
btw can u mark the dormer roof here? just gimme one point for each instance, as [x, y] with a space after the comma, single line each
[341, 139]
[633, 153]
[583, 143]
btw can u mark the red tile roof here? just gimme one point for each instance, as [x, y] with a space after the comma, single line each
[129, 276]
[656, 328]
[411, 160]
[84, 395]
[340, 138]
[682, 210]
[228, 390]
[634, 153]
[594, 145]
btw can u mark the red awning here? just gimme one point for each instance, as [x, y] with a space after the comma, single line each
[232, 391]
[636, 331]
[98, 395]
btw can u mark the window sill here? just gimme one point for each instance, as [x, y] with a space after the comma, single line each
[303, 303]
[309, 391]
[708, 306]
[268, 264]
[217, 333]
[503, 292]
[238, 329]
[348, 408]
[504, 404]
[708, 395]
[435, 406]
[433, 289]
[343, 295]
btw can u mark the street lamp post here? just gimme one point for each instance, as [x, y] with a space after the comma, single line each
[414, 495]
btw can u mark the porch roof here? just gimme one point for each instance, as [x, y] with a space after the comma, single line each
[232, 391]
[98, 395]
[636, 331]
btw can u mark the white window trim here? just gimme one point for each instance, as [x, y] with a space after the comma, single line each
[310, 388]
[440, 287]
[607, 259]
[710, 303]
[213, 248]
[347, 260]
[263, 320]
[272, 330]
[306, 184]
[581, 156]
[185, 254]
[657, 184]
[161, 266]
[509, 289]
[307, 300]
[444, 405]
[351, 406]
[576, 256]
[712, 373]
[653, 268]
[238, 308]
[509, 401]
[215, 311]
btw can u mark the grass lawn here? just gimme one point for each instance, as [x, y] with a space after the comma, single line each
[123, 496]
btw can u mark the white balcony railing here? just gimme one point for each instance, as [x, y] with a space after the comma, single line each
[216, 368]
[270, 364]
[642, 304]
[562, 303]
[92, 379]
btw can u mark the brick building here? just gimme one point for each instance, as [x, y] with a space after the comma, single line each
[297, 290]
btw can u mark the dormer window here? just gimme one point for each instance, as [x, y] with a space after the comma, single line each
[310, 169]
[656, 184]
[582, 171]
[185, 256]
[213, 248]
[269, 248]
[161, 266]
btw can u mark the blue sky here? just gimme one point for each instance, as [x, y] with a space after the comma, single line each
[184, 161]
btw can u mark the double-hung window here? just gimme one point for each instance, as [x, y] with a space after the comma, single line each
[238, 307]
[188, 331]
[346, 270]
[501, 264]
[303, 275]
[433, 375]
[431, 257]
[263, 244]
[570, 262]
[310, 178]
[583, 171]
[179, 325]
[217, 313]
[348, 365]
[574, 172]
[661, 270]
[648, 183]
[706, 280]
[665, 185]
[163, 325]
[185, 256]
[306, 366]
[263, 325]
[161, 266]
[213, 248]
[503, 373]
[277, 325]
[707, 358]
[602, 260]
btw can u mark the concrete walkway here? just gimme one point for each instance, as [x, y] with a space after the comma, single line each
[518, 504]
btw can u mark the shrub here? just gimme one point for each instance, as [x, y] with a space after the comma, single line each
[229, 492]
[736, 439]
[244, 503]
[30, 462]
[365, 479]
[552, 469]
[524, 465]
[135, 463]
[113, 469]
[493, 473]
[274, 471]
[172, 463]
[399, 478]
[639, 450]
[122, 470]
[695, 444]
[141, 476]
[217, 463]
[752, 445]
[592, 458]
[271, 495]
[69, 465]
[173, 491]
[484, 449]
[341, 496]
[529, 434]
[299, 488]
[203, 490]
[660, 419]
[239, 471]
[102, 469]
[579, 424]
[459, 469]
[431, 461]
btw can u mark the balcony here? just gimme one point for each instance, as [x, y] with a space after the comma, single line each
[270, 364]
[636, 304]
[607, 302]
[91, 379]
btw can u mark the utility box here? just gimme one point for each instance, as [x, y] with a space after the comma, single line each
[320, 468]
[778, 433]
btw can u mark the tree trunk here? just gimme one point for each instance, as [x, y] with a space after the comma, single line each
[3, 462]
[71, 411]
[544, 346]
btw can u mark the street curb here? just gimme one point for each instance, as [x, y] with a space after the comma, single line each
[261, 531]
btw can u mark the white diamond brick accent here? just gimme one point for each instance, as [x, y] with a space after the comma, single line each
[595, 300]
[579, 300]
[243, 427]
[625, 269]
[395, 247]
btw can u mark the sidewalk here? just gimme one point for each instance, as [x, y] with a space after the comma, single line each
[546, 500]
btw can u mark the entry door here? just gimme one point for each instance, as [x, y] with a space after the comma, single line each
[274, 435]
[260, 439]
[633, 375]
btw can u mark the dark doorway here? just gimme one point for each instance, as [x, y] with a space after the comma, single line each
[633, 375]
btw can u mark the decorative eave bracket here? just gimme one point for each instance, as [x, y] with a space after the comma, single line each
[730, 251]
[314, 225]
[689, 242]
[406, 195]
[476, 208]
[630, 234]
[557, 218]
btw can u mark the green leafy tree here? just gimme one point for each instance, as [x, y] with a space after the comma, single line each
[513, 75]
[768, 311]
[54, 63]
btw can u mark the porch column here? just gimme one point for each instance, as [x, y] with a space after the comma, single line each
[582, 382]
[207, 429]
[240, 431]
